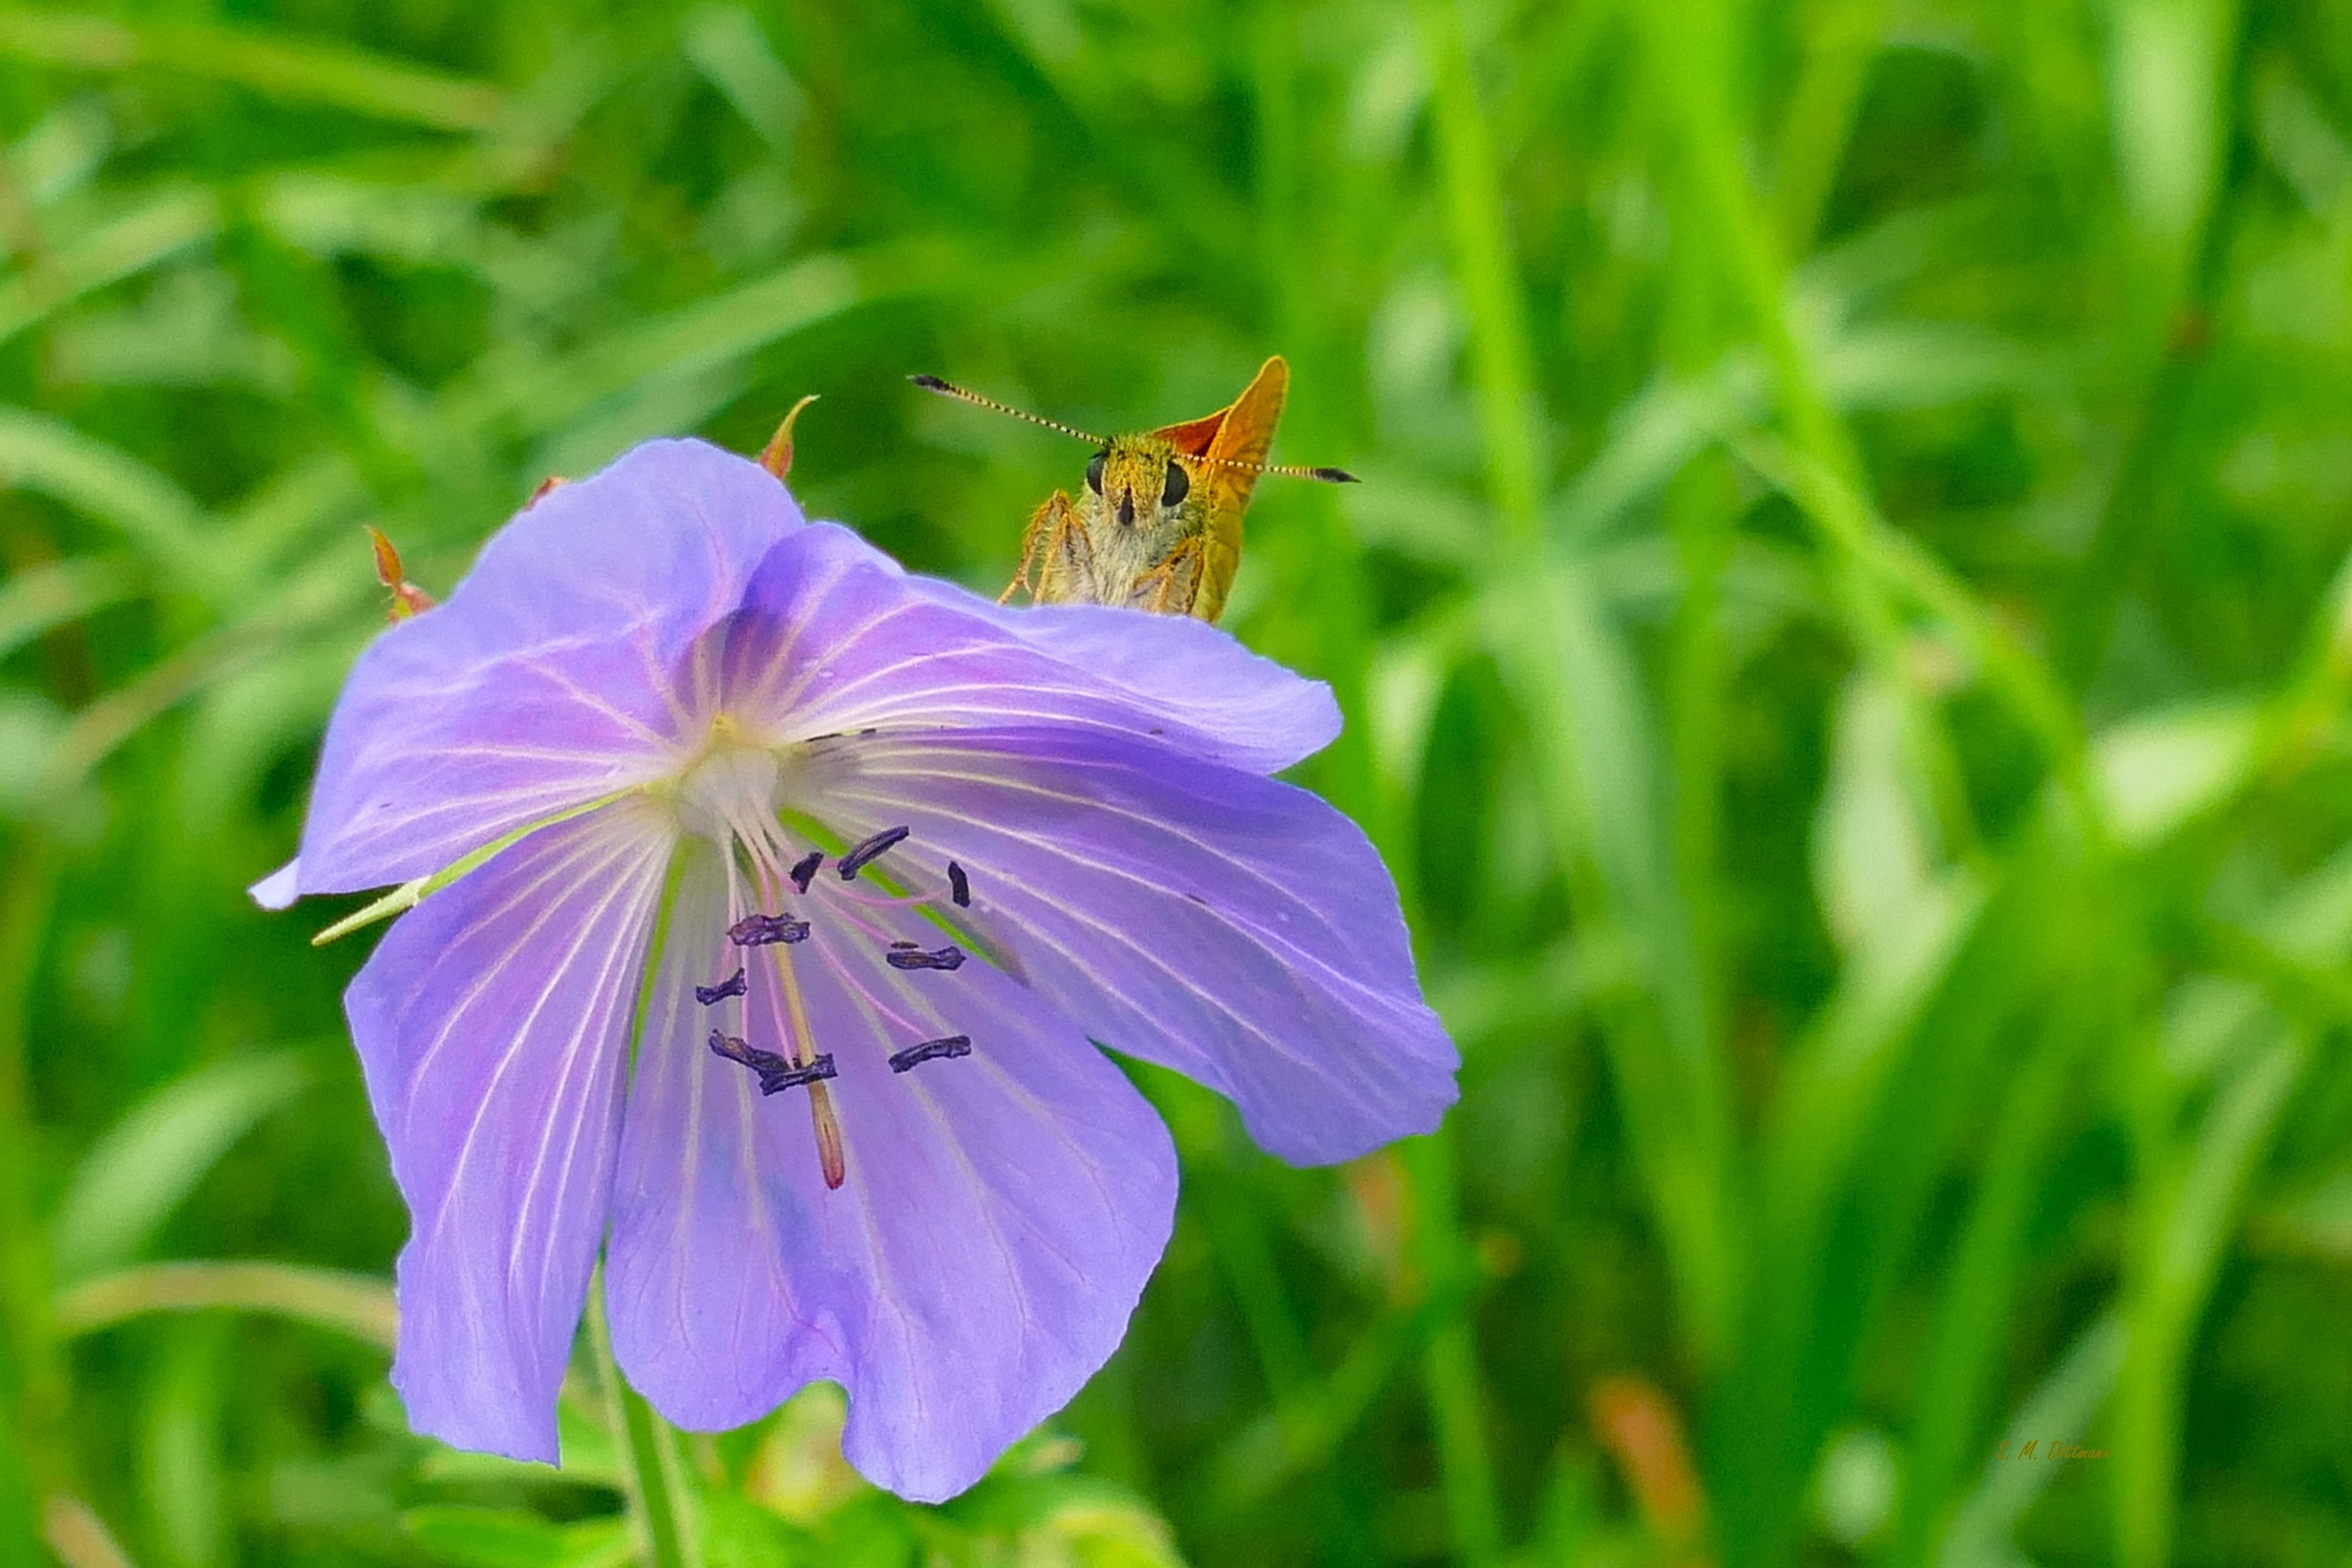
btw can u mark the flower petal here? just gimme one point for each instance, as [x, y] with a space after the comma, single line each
[1233, 927]
[710, 1319]
[1000, 1213]
[278, 889]
[493, 1024]
[835, 638]
[548, 678]
[1267, 716]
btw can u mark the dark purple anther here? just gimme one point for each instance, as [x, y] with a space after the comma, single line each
[807, 868]
[775, 1074]
[819, 1069]
[759, 930]
[958, 886]
[905, 955]
[741, 1051]
[734, 986]
[914, 1056]
[862, 854]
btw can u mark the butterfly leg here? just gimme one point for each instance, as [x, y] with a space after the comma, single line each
[1170, 587]
[1039, 541]
[1066, 568]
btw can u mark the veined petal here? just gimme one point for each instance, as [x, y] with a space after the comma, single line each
[712, 1317]
[835, 637]
[551, 677]
[493, 1026]
[1233, 927]
[1000, 1213]
[1267, 716]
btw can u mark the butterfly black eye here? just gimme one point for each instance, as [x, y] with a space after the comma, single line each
[1178, 484]
[1095, 473]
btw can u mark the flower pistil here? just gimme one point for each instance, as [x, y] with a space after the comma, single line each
[730, 799]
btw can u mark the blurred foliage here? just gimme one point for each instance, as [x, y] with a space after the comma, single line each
[1844, 635]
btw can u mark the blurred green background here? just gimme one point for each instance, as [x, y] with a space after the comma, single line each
[1844, 637]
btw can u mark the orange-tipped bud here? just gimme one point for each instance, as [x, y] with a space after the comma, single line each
[776, 458]
[544, 485]
[407, 598]
[387, 559]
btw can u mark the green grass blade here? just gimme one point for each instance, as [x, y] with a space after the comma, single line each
[2185, 1224]
[132, 1180]
[295, 70]
[2067, 1400]
[355, 1305]
[50, 456]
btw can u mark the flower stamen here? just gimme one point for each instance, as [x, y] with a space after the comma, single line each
[827, 1127]
[736, 985]
[807, 868]
[958, 886]
[914, 1056]
[905, 955]
[775, 1074]
[761, 931]
[867, 850]
[756, 834]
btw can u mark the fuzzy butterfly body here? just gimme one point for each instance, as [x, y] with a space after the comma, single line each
[1158, 523]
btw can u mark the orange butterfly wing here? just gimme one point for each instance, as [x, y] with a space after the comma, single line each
[1241, 432]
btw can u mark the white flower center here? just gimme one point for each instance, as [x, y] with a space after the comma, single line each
[731, 784]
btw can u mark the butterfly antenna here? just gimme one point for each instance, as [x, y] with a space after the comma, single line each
[1328, 476]
[948, 389]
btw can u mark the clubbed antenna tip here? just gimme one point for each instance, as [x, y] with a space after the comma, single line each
[1328, 476]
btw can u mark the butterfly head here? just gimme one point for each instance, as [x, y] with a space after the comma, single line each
[1138, 482]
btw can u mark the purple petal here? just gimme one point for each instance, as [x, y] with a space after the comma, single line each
[1233, 927]
[493, 1024]
[709, 1318]
[1000, 1213]
[548, 678]
[1267, 716]
[835, 637]
[280, 888]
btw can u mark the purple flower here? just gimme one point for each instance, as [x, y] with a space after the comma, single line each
[762, 901]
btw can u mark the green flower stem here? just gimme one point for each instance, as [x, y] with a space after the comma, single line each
[652, 1478]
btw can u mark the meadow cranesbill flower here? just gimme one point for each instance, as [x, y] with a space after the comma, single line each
[761, 902]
